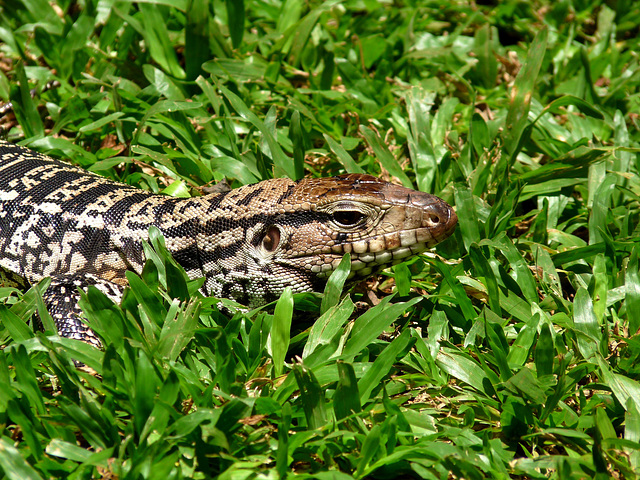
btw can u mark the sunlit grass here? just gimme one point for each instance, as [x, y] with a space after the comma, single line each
[510, 351]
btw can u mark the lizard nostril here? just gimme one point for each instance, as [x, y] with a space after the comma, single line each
[272, 239]
[435, 219]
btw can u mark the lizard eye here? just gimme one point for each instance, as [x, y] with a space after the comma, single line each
[348, 218]
[271, 239]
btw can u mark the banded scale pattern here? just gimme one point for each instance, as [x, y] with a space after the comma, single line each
[80, 229]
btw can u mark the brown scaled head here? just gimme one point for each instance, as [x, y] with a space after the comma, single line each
[377, 222]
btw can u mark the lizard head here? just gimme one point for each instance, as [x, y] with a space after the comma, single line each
[378, 223]
[299, 232]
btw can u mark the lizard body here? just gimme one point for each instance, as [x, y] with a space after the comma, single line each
[59, 221]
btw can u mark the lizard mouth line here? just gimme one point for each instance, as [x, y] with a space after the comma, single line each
[366, 263]
[363, 264]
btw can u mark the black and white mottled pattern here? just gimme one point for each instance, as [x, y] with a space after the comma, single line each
[80, 229]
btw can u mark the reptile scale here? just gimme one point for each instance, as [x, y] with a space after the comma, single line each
[80, 229]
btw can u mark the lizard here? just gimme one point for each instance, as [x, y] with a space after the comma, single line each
[250, 243]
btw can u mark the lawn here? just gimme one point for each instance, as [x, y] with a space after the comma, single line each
[509, 351]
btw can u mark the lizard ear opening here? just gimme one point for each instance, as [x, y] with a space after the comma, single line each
[272, 239]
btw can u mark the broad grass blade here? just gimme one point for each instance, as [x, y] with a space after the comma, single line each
[281, 330]
[544, 352]
[382, 365]
[624, 388]
[384, 155]
[17, 327]
[468, 223]
[632, 431]
[463, 368]
[520, 269]
[335, 284]
[484, 270]
[342, 155]
[235, 21]
[370, 448]
[601, 207]
[153, 29]
[371, 324]
[346, 399]
[421, 148]
[281, 162]
[522, 92]
[632, 292]
[13, 463]
[588, 334]
[311, 396]
[326, 328]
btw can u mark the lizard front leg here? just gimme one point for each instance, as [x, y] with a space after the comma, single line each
[61, 299]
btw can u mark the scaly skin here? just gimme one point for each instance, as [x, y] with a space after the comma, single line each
[81, 229]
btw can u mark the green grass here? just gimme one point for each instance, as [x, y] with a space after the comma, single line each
[511, 353]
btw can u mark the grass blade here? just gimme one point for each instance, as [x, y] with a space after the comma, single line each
[14, 465]
[522, 92]
[632, 292]
[335, 284]
[346, 399]
[464, 368]
[421, 149]
[343, 157]
[632, 432]
[282, 163]
[326, 329]
[235, 21]
[281, 330]
[484, 270]
[588, 333]
[544, 352]
[18, 329]
[370, 447]
[381, 367]
[520, 270]
[311, 395]
[384, 155]
[371, 324]
[601, 207]
[468, 223]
